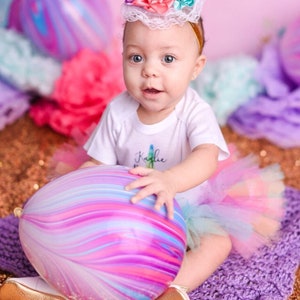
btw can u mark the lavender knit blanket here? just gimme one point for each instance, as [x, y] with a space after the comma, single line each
[268, 275]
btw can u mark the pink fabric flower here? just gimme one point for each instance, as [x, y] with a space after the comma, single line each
[155, 6]
[88, 82]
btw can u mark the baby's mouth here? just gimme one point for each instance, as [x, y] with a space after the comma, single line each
[151, 91]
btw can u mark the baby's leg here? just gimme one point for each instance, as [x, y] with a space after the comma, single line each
[198, 264]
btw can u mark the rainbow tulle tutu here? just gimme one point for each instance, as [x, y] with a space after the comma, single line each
[241, 200]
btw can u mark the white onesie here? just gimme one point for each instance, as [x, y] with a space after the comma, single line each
[120, 138]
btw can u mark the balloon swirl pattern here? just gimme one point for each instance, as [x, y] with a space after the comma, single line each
[61, 28]
[86, 239]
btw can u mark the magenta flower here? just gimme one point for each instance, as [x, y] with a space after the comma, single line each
[155, 6]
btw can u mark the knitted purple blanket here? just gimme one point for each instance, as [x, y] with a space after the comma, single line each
[267, 275]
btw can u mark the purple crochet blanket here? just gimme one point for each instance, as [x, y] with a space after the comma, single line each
[267, 275]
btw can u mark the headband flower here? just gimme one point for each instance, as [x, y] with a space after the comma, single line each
[180, 4]
[155, 6]
[160, 6]
[161, 14]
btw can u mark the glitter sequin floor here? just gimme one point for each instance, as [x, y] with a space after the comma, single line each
[25, 152]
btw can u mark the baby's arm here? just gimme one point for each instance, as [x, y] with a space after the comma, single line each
[194, 170]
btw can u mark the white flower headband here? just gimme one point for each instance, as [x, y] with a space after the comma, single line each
[161, 14]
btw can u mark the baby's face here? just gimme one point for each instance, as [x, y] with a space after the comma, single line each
[159, 65]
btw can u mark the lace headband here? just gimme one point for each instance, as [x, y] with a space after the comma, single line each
[161, 14]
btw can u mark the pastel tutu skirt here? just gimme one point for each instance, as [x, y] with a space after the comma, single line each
[242, 201]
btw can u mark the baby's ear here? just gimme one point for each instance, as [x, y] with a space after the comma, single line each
[199, 65]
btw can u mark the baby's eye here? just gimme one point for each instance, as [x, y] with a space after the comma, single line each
[136, 58]
[168, 59]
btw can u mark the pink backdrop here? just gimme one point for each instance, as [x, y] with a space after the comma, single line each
[235, 26]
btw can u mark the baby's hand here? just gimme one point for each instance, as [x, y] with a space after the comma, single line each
[157, 183]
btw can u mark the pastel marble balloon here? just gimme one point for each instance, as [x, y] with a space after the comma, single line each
[4, 12]
[88, 241]
[290, 50]
[60, 28]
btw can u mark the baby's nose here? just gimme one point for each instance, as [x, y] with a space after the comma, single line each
[150, 70]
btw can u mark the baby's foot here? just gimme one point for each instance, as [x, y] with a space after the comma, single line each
[174, 292]
[28, 288]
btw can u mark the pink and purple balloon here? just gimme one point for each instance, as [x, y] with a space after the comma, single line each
[290, 51]
[61, 28]
[4, 12]
[88, 241]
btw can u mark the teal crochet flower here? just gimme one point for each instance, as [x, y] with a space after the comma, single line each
[23, 66]
[227, 83]
[180, 4]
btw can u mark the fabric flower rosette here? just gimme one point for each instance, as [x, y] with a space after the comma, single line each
[273, 114]
[228, 83]
[23, 73]
[88, 82]
[13, 104]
